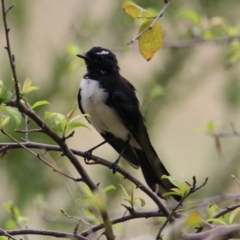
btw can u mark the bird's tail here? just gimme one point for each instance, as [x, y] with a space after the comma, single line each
[153, 174]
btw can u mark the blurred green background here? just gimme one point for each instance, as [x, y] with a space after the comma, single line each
[180, 90]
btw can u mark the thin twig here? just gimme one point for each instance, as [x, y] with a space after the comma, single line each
[43, 232]
[191, 191]
[7, 234]
[225, 211]
[8, 48]
[29, 130]
[160, 14]
[37, 156]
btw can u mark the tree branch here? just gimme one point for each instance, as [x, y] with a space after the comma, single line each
[8, 48]
[160, 14]
[43, 233]
[216, 233]
[97, 160]
[28, 112]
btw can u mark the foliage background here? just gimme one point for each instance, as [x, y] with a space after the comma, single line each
[198, 85]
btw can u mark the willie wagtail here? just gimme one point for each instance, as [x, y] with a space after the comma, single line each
[111, 102]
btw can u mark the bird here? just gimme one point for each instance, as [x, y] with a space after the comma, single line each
[113, 107]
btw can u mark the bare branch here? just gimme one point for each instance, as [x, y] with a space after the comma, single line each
[8, 48]
[42, 232]
[5, 233]
[216, 233]
[225, 211]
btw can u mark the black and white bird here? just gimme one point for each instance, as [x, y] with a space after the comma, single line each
[111, 102]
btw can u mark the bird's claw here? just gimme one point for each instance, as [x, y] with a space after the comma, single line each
[87, 155]
[114, 166]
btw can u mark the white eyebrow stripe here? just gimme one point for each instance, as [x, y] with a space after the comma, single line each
[103, 52]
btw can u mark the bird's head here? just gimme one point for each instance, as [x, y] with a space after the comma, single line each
[100, 59]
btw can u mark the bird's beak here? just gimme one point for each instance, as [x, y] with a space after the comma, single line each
[82, 56]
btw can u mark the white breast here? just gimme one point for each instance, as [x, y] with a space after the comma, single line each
[103, 118]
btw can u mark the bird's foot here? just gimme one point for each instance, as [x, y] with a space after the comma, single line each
[87, 155]
[114, 166]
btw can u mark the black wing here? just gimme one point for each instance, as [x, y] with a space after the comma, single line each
[80, 105]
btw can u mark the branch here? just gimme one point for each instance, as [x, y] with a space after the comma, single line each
[5, 233]
[42, 233]
[38, 156]
[97, 160]
[160, 14]
[225, 211]
[68, 153]
[133, 215]
[8, 48]
[216, 233]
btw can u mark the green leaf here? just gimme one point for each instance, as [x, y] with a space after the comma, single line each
[134, 10]
[124, 191]
[233, 215]
[73, 125]
[13, 112]
[10, 224]
[151, 41]
[108, 188]
[47, 115]
[217, 220]
[39, 103]
[171, 193]
[5, 95]
[57, 127]
[12, 208]
[210, 125]
[171, 179]
[4, 120]
[156, 91]
[183, 187]
[142, 201]
[27, 86]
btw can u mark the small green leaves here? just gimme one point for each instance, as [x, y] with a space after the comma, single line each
[181, 187]
[64, 124]
[16, 217]
[4, 120]
[13, 112]
[150, 41]
[39, 103]
[130, 198]
[134, 10]
[210, 125]
[5, 95]
[108, 188]
[28, 87]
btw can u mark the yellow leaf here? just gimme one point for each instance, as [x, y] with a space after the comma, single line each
[193, 219]
[134, 10]
[151, 40]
